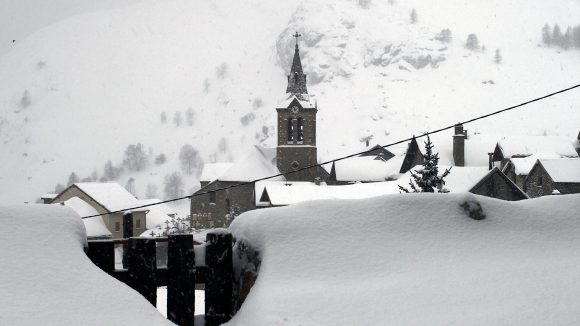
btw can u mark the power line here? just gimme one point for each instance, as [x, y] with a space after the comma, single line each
[343, 157]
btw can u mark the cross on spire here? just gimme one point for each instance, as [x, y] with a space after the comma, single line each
[297, 35]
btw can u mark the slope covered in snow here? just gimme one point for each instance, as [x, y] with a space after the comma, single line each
[416, 259]
[76, 93]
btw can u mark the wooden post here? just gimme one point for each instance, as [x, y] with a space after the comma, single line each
[181, 279]
[142, 264]
[127, 233]
[219, 278]
[102, 254]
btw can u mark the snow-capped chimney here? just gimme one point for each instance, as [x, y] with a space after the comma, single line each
[459, 145]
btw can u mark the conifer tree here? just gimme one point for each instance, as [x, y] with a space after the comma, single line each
[497, 58]
[547, 35]
[427, 179]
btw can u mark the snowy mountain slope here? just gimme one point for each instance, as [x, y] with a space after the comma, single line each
[74, 94]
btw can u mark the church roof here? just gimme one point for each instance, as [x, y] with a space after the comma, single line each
[304, 100]
[259, 163]
[297, 78]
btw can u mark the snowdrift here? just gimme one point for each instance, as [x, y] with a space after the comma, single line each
[417, 259]
[47, 279]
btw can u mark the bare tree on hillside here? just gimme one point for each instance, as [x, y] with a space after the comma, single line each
[189, 116]
[110, 172]
[189, 158]
[177, 118]
[497, 58]
[163, 117]
[547, 35]
[130, 186]
[151, 191]
[173, 185]
[135, 157]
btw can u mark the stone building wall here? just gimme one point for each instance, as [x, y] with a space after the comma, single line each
[208, 211]
[538, 183]
[498, 186]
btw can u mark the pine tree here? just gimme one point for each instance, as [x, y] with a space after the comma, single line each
[557, 35]
[576, 36]
[497, 58]
[413, 16]
[72, 178]
[567, 39]
[427, 179]
[547, 35]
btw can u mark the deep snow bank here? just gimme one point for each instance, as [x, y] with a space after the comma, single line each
[414, 259]
[47, 279]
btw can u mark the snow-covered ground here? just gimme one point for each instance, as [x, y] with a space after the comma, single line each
[415, 259]
[81, 84]
[47, 279]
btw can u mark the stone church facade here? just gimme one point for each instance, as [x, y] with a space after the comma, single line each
[296, 150]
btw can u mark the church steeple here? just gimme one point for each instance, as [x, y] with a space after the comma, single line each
[297, 78]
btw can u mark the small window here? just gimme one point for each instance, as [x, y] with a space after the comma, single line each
[138, 223]
[228, 204]
[540, 181]
[212, 197]
[117, 226]
[300, 137]
[290, 130]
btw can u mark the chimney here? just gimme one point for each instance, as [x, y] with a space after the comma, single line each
[490, 165]
[317, 181]
[459, 145]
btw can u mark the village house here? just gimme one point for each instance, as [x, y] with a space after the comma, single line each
[108, 197]
[553, 177]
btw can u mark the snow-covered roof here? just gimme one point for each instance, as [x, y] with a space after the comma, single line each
[367, 169]
[259, 163]
[48, 196]
[563, 170]
[539, 145]
[306, 101]
[94, 225]
[282, 193]
[110, 195]
[212, 171]
[523, 165]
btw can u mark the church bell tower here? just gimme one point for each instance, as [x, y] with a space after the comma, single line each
[297, 126]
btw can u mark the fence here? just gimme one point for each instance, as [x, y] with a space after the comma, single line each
[180, 275]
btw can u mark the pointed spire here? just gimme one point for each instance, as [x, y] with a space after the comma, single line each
[297, 78]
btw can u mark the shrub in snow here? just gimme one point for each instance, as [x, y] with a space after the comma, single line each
[177, 118]
[177, 225]
[473, 209]
[25, 100]
[472, 42]
[257, 103]
[189, 116]
[135, 157]
[427, 179]
[246, 119]
[160, 159]
[497, 58]
[221, 71]
[444, 36]
[364, 3]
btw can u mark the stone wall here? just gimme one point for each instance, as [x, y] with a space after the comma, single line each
[207, 214]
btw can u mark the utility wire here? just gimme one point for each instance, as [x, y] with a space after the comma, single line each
[343, 157]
